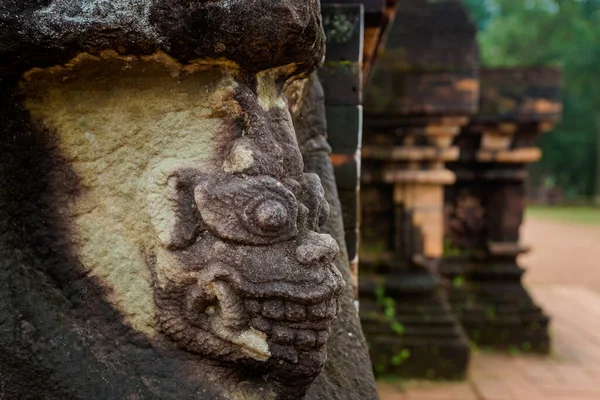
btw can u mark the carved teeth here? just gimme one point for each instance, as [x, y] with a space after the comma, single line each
[305, 339]
[323, 310]
[283, 335]
[295, 311]
[286, 310]
[273, 309]
[261, 324]
[290, 323]
[286, 353]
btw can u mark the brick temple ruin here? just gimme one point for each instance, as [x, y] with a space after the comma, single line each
[198, 213]
[423, 88]
[444, 157]
[484, 208]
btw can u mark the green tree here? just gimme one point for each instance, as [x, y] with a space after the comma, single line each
[481, 10]
[554, 32]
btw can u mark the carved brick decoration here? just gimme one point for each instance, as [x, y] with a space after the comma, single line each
[484, 209]
[423, 88]
[376, 18]
[163, 234]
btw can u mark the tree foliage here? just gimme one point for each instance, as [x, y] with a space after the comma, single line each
[553, 32]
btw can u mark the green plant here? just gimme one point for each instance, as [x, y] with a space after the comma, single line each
[399, 358]
[450, 250]
[514, 350]
[388, 307]
[388, 310]
[458, 281]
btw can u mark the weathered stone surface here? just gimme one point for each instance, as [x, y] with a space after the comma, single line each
[342, 82]
[39, 33]
[429, 64]
[344, 128]
[341, 74]
[370, 6]
[343, 25]
[520, 96]
[160, 238]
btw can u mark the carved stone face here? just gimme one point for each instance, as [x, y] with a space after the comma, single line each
[255, 279]
[196, 214]
[243, 273]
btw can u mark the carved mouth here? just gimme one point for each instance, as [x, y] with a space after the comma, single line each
[293, 327]
[322, 284]
[275, 323]
[279, 309]
[281, 328]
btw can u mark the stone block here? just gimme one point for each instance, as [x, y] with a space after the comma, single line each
[373, 9]
[347, 171]
[349, 201]
[343, 25]
[342, 82]
[344, 128]
[352, 236]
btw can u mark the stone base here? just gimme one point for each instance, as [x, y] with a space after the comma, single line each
[493, 306]
[415, 335]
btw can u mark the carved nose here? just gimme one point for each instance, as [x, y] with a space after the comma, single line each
[316, 249]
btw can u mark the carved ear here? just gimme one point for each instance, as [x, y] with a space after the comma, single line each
[313, 197]
[171, 205]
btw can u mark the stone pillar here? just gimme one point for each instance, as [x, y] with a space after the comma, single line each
[341, 76]
[422, 91]
[354, 33]
[163, 235]
[484, 209]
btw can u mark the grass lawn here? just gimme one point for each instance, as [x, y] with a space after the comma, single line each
[581, 215]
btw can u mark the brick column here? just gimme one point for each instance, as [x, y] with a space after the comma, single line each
[423, 89]
[484, 210]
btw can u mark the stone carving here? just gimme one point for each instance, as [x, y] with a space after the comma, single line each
[155, 215]
[243, 274]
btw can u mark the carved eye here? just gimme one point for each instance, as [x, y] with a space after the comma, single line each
[251, 210]
[271, 215]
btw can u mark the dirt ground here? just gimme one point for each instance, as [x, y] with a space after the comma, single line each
[562, 253]
[563, 275]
